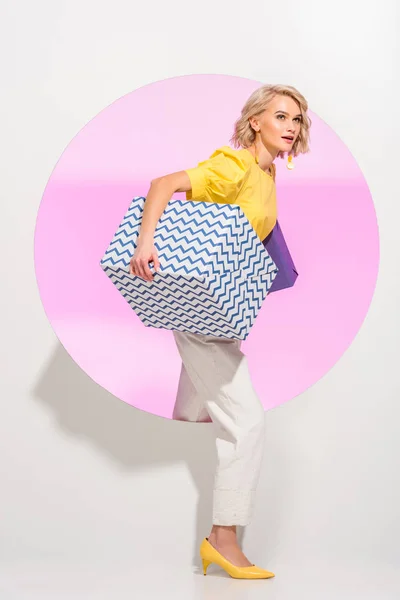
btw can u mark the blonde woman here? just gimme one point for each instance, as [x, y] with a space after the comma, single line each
[215, 384]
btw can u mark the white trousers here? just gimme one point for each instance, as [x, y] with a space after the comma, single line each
[215, 386]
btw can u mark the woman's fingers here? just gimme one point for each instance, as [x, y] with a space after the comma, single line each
[147, 274]
[139, 264]
[140, 268]
[156, 262]
[132, 266]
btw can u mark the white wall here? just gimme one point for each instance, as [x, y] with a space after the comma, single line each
[89, 510]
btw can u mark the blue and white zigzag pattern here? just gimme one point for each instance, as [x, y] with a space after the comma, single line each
[214, 271]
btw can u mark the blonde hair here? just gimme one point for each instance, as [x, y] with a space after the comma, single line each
[244, 135]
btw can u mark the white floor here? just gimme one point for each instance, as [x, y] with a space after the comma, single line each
[57, 581]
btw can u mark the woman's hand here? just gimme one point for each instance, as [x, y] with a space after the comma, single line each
[159, 195]
[144, 254]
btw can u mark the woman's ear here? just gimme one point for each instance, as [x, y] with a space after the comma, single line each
[253, 123]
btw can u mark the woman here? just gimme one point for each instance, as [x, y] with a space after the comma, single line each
[215, 383]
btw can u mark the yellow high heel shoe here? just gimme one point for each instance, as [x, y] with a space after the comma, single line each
[209, 555]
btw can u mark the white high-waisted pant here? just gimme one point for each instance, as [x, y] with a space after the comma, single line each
[215, 386]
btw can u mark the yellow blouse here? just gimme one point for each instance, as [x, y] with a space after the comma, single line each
[234, 177]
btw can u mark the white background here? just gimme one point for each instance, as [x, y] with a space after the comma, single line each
[100, 500]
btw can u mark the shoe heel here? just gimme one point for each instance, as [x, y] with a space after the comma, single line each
[205, 565]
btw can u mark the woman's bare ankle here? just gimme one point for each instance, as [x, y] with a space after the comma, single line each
[223, 535]
[223, 538]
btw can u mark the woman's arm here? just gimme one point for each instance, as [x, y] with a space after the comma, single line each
[160, 193]
[158, 196]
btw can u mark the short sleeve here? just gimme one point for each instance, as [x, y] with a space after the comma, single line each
[197, 181]
[216, 179]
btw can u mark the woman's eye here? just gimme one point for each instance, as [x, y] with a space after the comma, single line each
[296, 119]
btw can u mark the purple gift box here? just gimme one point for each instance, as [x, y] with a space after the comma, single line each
[276, 247]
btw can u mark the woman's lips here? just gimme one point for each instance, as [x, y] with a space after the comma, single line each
[287, 140]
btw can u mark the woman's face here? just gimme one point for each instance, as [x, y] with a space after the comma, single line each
[281, 118]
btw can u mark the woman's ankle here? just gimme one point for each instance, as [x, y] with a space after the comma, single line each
[224, 534]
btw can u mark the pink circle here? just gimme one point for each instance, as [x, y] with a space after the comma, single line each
[324, 207]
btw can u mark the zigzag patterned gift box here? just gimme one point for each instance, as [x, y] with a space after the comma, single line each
[214, 271]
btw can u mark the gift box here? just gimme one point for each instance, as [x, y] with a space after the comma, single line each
[214, 271]
[276, 247]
